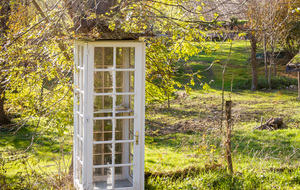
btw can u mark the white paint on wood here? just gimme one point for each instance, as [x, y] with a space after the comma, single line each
[84, 61]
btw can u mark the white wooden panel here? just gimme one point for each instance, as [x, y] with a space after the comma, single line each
[89, 87]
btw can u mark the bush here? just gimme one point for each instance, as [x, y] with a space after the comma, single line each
[276, 83]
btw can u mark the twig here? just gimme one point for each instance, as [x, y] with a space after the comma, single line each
[265, 124]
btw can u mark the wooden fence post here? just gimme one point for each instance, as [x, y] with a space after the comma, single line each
[228, 136]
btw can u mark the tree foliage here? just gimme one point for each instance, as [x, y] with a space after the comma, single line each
[177, 26]
[269, 22]
[36, 48]
[35, 74]
[292, 42]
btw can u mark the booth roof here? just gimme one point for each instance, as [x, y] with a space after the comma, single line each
[112, 35]
[294, 64]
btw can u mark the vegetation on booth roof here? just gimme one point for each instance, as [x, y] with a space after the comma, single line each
[296, 59]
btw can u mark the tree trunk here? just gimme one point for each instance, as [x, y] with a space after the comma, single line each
[265, 55]
[253, 42]
[273, 56]
[298, 85]
[272, 62]
[4, 16]
[80, 9]
[4, 120]
[269, 76]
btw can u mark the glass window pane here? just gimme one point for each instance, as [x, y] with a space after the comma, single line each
[80, 148]
[80, 103]
[102, 148]
[124, 153]
[119, 148]
[102, 154]
[103, 57]
[102, 178]
[103, 106]
[123, 177]
[102, 130]
[78, 56]
[97, 160]
[131, 171]
[81, 79]
[98, 172]
[125, 57]
[79, 172]
[77, 146]
[118, 158]
[76, 80]
[102, 136]
[77, 102]
[124, 129]
[103, 82]
[125, 105]
[81, 57]
[77, 125]
[102, 159]
[118, 170]
[80, 126]
[125, 81]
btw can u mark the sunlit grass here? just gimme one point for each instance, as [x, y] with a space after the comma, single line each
[34, 150]
[261, 159]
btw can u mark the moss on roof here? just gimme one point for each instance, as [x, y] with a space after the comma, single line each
[294, 64]
[296, 59]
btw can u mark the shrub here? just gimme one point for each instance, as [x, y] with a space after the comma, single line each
[276, 83]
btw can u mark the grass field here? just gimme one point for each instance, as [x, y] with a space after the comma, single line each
[184, 144]
[185, 147]
[191, 145]
[238, 70]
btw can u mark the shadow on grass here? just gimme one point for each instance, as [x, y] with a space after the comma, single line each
[23, 138]
[176, 112]
[280, 145]
[266, 144]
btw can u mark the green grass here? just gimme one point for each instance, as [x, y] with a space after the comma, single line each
[238, 64]
[33, 152]
[261, 159]
[221, 180]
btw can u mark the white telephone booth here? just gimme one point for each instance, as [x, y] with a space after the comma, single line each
[109, 114]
